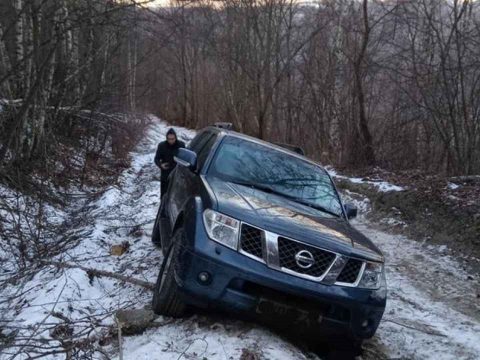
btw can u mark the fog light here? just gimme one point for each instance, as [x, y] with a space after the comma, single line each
[204, 277]
[365, 323]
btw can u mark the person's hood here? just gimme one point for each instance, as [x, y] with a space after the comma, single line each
[287, 218]
[171, 131]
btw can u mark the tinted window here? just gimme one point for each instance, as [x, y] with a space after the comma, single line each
[243, 161]
[198, 141]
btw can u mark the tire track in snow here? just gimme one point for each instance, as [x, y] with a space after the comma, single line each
[432, 307]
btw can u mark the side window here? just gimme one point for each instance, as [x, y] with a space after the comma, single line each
[203, 154]
[198, 141]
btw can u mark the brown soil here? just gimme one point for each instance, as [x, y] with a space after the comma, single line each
[433, 211]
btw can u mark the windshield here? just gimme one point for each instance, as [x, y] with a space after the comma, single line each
[248, 163]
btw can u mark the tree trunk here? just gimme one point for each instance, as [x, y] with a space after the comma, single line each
[366, 137]
[19, 53]
[5, 85]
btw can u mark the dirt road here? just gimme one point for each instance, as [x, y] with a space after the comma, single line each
[432, 312]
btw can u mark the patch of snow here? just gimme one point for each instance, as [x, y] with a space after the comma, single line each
[22, 218]
[382, 186]
[453, 197]
[362, 203]
[453, 186]
[210, 341]
[393, 222]
[4, 102]
[333, 173]
[442, 248]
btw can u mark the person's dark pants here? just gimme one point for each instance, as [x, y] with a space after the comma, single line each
[164, 180]
[163, 187]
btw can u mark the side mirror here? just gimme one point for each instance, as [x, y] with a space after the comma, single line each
[351, 211]
[186, 158]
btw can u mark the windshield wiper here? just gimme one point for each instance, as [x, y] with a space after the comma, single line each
[270, 190]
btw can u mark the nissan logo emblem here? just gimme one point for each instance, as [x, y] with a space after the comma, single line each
[304, 259]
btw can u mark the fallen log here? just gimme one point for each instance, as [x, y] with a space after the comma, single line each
[425, 328]
[471, 179]
[95, 272]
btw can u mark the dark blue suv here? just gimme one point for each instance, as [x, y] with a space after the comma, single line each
[250, 226]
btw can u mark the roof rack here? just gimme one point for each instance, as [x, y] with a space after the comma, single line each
[224, 125]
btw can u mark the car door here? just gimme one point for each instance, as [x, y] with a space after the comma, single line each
[185, 181]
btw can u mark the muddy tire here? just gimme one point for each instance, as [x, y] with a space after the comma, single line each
[166, 297]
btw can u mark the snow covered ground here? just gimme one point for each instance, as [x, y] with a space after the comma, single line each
[433, 307]
[57, 302]
[383, 186]
[432, 312]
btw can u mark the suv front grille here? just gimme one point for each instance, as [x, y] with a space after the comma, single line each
[279, 253]
[251, 241]
[350, 272]
[287, 249]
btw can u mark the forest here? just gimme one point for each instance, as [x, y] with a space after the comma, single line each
[393, 83]
[383, 94]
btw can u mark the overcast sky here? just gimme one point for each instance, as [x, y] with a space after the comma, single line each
[158, 2]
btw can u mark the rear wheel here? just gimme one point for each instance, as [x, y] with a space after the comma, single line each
[166, 297]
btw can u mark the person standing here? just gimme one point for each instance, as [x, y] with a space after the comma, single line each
[166, 150]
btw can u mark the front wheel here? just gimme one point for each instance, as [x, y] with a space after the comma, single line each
[166, 297]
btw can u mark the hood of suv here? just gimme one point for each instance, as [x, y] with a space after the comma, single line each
[287, 218]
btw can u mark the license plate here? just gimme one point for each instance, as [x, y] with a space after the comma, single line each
[272, 308]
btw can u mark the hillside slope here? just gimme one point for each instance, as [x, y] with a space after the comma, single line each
[67, 305]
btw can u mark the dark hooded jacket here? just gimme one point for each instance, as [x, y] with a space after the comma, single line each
[166, 152]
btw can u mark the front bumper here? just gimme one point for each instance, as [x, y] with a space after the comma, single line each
[239, 283]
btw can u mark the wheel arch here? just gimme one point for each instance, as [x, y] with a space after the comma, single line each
[188, 217]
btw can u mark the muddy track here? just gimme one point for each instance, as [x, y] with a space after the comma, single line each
[433, 310]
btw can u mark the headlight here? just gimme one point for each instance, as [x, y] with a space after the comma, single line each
[222, 228]
[373, 276]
